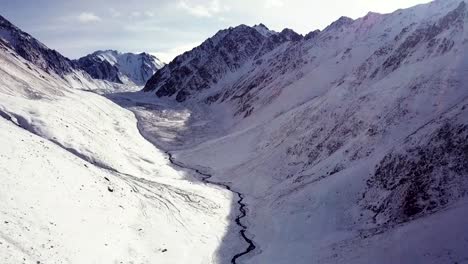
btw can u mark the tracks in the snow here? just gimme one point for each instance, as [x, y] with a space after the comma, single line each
[205, 178]
[242, 207]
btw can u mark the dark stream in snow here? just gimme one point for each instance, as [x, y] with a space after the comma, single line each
[242, 207]
[125, 102]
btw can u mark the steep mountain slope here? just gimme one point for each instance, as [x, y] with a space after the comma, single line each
[348, 144]
[81, 185]
[216, 62]
[119, 67]
[32, 50]
[50, 61]
[342, 51]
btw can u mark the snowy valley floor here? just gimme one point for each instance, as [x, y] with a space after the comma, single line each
[348, 145]
[81, 185]
[82, 182]
[170, 127]
[312, 223]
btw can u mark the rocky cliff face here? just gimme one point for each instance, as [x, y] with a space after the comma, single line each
[248, 67]
[353, 137]
[380, 100]
[100, 69]
[52, 62]
[222, 55]
[119, 67]
[34, 51]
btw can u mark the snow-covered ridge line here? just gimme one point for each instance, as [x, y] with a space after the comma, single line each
[33, 50]
[357, 129]
[52, 62]
[22, 123]
[345, 146]
[118, 67]
[105, 179]
[225, 53]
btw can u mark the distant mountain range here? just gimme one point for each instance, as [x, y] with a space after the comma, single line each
[114, 66]
[79, 183]
[363, 123]
[346, 145]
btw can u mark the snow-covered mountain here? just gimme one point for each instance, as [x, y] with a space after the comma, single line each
[32, 50]
[349, 145]
[51, 61]
[217, 61]
[80, 184]
[119, 67]
[239, 65]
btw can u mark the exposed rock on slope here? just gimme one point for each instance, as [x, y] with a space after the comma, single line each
[207, 65]
[355, 133]
[424, 174]
[55, 64]
[81, 185]
[34, 51]
[100, 69]
[119, 67]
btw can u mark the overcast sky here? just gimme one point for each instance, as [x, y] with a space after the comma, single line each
[167, 28]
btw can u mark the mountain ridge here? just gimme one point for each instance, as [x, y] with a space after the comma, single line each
[33, 50]
[347, 145]
[80, 184]
[357, 130]
[209, 61]
[120, 67]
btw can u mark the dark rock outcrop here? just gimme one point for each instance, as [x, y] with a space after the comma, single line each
[99, 69]
[117, 67]
[34, 51]
[207, 64]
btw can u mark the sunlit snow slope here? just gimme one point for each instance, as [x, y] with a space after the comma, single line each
[81, 185]
[350, 145]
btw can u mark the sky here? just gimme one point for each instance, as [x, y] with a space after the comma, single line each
[167, 28]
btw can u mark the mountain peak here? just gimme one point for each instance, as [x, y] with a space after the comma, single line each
[261, 25]
[264, 30]
[115, 66]
[312, 34]
[204, 66]
[4, 21]
[341, 22]
[291, 35]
